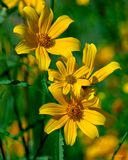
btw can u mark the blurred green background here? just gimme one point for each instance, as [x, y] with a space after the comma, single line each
[23, 89]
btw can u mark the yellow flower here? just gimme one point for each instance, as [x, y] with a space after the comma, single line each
[72, 79]
[73, 113]
[10, 3]
[89, 54]
[40, 36]
[83, 2]
[69, 78]
[37, 4]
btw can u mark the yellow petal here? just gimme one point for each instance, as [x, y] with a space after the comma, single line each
[70, 132]
[83, 82]
[87, 128]
[20, 29]
[64, 46]
[89, 54]
[45, 19]
[91, 103]
[23, 48]
[101, 74]
[55, 123]
[52, 109]
[32, 18]
[81, 72]
[43, 58]
[54, 75]
[56, 91]
[71, 65]
[61, 68]
[66, 88]
[59, 26]
[76, 90]
[94, 117]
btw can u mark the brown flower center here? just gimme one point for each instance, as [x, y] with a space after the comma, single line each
[70, 79]
[75, 112]
[44, 40]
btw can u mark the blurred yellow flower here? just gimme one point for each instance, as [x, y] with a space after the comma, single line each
[89, 54]
[29, 69]
[82, 2]
[105, 55]
[125, 87]
[40, 36]
[15, 147]
[69, 77]
[103, 147]
[84, 113]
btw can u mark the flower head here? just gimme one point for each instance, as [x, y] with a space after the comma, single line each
[73, 113]
[69, 77]
[40, 36]
[89, 54]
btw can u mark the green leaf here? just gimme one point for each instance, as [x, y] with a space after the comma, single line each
[54, 146]
[14, 82]
[6, 133]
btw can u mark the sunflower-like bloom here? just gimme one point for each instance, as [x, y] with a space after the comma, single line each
[40, 35]
[89, 54]
[83, 113]
[69, 77]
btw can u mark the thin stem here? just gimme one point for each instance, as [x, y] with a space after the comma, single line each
[20, 127]
[52, 5]
[40, 146]
[2, 150]
[119, 145]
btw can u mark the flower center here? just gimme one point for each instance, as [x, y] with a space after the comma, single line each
[74, 111]
[44, 40]
[70, 79]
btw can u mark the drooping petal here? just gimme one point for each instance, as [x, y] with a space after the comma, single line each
[55, 123]
[71, 65]
[102, 73]
[20, 29]
[94, 117]
[52, 109]
[54, 75]
[59, 26]
[64, 46]
[23, 48]
[61, 68]
[87, 128]
[45, 19]
[89, 54]
[57, 94]
[91, 103]
[32, 18]
[83, 82]
[76, 89]
[66, 88]
[70, 132]
[81, 72]
[43, 58]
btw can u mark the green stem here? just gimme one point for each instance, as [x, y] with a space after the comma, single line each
[40, 146]
[2, 150]
[52, 5]
[119, 145]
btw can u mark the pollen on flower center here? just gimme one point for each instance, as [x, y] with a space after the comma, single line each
[70, 79]
[74, 111]
[44, 40]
